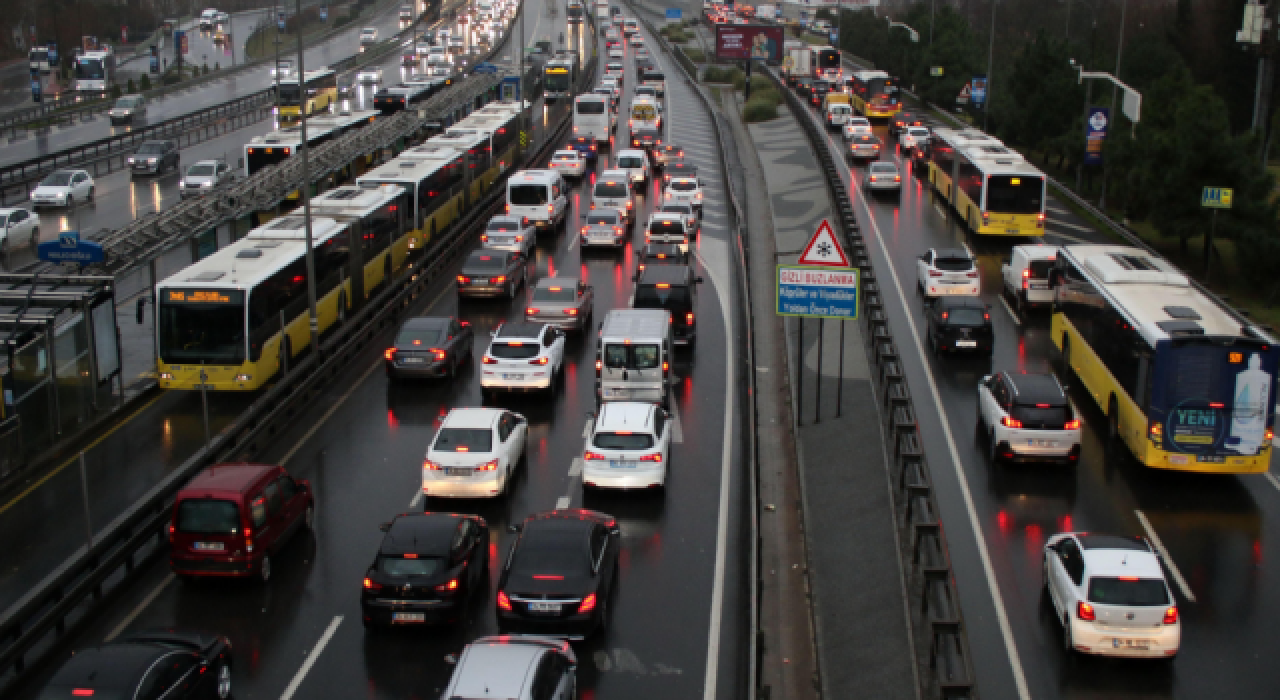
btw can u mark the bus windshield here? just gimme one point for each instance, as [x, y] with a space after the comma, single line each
[89, 69]
[289, 93]
[1015, 195]
[205, 327]
[259, 158]
[558, 80]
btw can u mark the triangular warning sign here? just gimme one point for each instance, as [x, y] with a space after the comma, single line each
[823, 249]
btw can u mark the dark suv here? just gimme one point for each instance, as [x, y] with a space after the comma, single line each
[674, 288]
[154, 157]
[960, 324]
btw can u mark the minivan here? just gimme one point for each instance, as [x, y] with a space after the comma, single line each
[231, 518]
[634, 352]
[538, 196]
[592, 117]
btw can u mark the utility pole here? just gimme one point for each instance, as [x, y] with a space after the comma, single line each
[1256, 31]
[933, 5]
[1067, 35]
[314, 321]
[1115, 109]
[991, 52]
[275, 42]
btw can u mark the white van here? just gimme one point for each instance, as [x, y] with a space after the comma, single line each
[645, 112]
[539, 197]
[634, 354]
[592, 117]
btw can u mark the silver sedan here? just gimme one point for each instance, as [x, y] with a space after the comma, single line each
[883, 176]
[563, 302]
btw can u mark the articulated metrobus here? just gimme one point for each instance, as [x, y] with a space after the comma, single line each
[321, 91]
[1185, 382]
[875, 94]
[269, 149]
[376, 214]
[558, 78]
[487, 137]
[995, 190]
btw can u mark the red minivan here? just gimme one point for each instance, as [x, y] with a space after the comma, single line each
[231, 518]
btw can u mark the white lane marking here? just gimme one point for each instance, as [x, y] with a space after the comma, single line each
[133, 615]
[1164, 554]
[416, 500]
[562, 503]
[997, 599]
[311, 659]
[1006, 306]
[586, 429]
[722, 524]
[1068, 237]
[575, 468]
[1272, 478]
[1056, 210]
[677, 430]
[937, 206]
[1078, 227]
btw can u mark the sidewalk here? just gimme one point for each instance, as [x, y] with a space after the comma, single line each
[860, 616]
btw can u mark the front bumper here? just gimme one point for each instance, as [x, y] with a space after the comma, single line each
[1160, 642]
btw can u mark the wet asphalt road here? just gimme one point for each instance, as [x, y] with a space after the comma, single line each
[364, 464]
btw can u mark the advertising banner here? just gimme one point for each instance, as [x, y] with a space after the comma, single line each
[978, 91]
[738, 42]
[1095, 132]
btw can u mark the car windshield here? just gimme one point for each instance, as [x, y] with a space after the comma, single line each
[556, 293]
[484, 263]
[151, 148]
[464, 440]
[953, 264]
[208, 516]
[515, 350]
[684, 185]
[528, 195]
[1128, 591]
[602, 219]
[611, 189]
[57, 180]
[630, 161]
[426, 337]
[415, 566]
[623, 441]
[196, 170]
[965, 316]
[918, 132]
[127, 102]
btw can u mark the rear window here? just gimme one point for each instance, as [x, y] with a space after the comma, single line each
[966, 317]
[1127, 591]
[208, 517]
[528, 195]
[655, 76]
[666, 228]
[503, 226]
[468, 439]
[515, 351]
[641, 356]
[417, 566]
[591, 107]
[953, 264]
[1040, 268]
[568, 156]
[1041, 416]
[1015, 195]
[623, 441]
[486, 262]
[419, 336]
[888, 168]
[611, 189]
[631, 162]
[555, 293]
[602, 219]
[685, 186]
[651, 296]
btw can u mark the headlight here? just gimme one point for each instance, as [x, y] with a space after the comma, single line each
[130, 160]
[182, 183]
[151, 161]
[207, 184]
[33, 194]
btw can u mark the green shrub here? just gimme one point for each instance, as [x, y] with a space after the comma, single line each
[115, 91]
[130, 88]
[723, 74]
[695, 55]
[759, 109]
[759, 84]
[144, 83]
[739, 80]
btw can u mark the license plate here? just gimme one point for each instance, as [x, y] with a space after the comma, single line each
[622, 464]
[413, 360]
[544, 607]
[513, 376]
[500, 240]
[208, 546]
[1139, 644]
[1039, 285]
[1014, 231]
[966, 343]
[408, 617]
[457, 471]
[617, 392]
[957, 291]
[1042, 443]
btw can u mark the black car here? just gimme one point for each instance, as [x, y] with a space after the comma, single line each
[586, 146]
[818, 90]
[492, 273]
[899, 123]
[161, 664]
[646, 137]
[427, 568]
[674, 288]
[678, 168]
[665, 154]
[792, 80]
[804, 85]
[429, 346]
[662, 254]
[559, 574]
[154, 157]
[960, 324]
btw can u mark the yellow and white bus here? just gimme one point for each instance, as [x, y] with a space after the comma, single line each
[375, 215]
[268, 149]
[875, 94]
[240, 315]
[321, 91]
[993, 188]
[1184, 381]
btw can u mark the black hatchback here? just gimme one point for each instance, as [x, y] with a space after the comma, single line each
[960, 324]
[818, 90]
[427, 568]
[559, 574]
[678, 168]
[161, 664]
[429, 346]
[646, 137]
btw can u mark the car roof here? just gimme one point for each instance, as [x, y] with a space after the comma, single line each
[614, 172]
[471, 417]
[628, 152]
[520, 329]
[209, 161]
[426, 322]
[681, 206]
[666, 216]
[228, 478]
[1123, 562]
[665, 274]
[548, 282]
[1039, 387]
[625, 415]
[675, 178]
[502, 670]
[424, 533]
[952, 253]
[567, 152]
[484, 254]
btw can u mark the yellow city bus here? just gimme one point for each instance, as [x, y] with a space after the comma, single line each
[994, 189]
[1185, 382]
[875, 94]
[321, 92]
[241, 315]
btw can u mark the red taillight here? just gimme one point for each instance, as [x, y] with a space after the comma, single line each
[571, 312]
[170, 532]
[1084, 611]
[430, 466]
[439, 354]
[1216, 404]
[935, 273]
[688, 318]
[539, 360]
[489, 360]
[599, 365]
[588, 604]
[452, 585]
[1171, 615]
[503, 601]
[484, 238]
[82, 692]
[666, 366]
[1010, 422]
[656, 457]
[1071, 425]
[464, 280]
[531, 310]
[371, 585]
[592, 456]
[897, 178]
[498, 280]
[972, 274]
[390, 354]
[629, 204]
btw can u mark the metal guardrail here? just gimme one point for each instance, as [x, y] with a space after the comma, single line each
[942, 645]
[12, 119]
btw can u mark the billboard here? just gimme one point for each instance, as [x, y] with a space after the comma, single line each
[1095, 134]
[738, 42]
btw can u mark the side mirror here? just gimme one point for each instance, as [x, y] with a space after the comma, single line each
[385, 527]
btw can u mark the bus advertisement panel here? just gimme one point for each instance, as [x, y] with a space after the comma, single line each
[739, 42]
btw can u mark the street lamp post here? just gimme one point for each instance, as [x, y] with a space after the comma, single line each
[314, 322]
[1115, 88]
[991, 51]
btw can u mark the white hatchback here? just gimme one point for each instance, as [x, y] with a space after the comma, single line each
[629, 447]
[636, 162]
[63, 188]
[686, 190]
[475, 453]
[1110, 594]
[569, 162]
[523, 356]
[942, 272]
[856, 125]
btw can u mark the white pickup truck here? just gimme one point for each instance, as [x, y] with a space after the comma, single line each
[1026, 275]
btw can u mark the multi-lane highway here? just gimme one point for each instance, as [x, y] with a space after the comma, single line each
[677, 621]
[1215, 528]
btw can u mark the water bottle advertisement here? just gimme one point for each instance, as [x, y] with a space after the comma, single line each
[1224, 415]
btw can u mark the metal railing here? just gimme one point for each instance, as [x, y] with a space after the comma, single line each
[941, 640]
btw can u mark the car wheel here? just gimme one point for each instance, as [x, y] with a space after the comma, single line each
[1019, 305]
[90, 194]
[223, 681]
[309, 517]
[264, 570]
[993, 457]
[69, 202]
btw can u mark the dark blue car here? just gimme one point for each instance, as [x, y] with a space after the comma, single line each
[586, 145]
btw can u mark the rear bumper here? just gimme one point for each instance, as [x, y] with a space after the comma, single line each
[382, 611]
[646, 394]
[485, 291]
[568, 323]
[492, 379]
[1010, 451]
[603, 477]
[947, 290]
[464, 486]
[426, 370]
[1091, 638]
[574, 627]
[184, 564]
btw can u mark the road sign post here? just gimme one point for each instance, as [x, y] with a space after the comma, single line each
[1214, 198]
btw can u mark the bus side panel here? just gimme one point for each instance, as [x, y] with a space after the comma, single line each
[1102, 385]
[941, 180]
[399, 252]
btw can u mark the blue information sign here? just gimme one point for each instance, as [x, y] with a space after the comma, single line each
[674, 13]
[69, 248]
[1095, 133]
[324, 13]
[817, 292]
[978, 90]
[485, 68]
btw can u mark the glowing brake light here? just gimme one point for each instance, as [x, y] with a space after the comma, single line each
[1010, 422]
[688, 318]
[371, 585]
[1171, 615]
[501, 279]
[1084, 611]
[530, 310]
[1071, 425]
[489, 360]
[488, 466]
[593, 456]
[503, 601]
[539, 360]
[588, 604]
[390, 354]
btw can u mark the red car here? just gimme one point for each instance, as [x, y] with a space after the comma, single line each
[231, 518]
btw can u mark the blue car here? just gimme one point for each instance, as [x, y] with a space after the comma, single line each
[586, 145]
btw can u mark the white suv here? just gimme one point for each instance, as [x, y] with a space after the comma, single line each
[636, 162]
[856, 125]
[474, 454]
[613, 191]
[668, 227]
[523, 356]
[1027, 417]
[1111, 596]
[629, 447]
[941, 272]
[684, 190]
